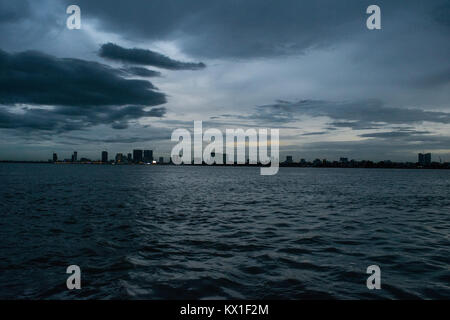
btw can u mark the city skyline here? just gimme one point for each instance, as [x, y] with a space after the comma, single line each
[296, 155]
[146, 156]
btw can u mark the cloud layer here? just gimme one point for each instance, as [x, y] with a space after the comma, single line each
[254, 28]
[145, 57]
[343, 86]
[42, 92]
[36, 78]
[362, 114]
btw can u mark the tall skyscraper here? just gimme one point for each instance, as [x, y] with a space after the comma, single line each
[104, 156]
[427, 159]
[148, 156]
[161, 159]
[420, 159]
[424, 159]
[137, 156]
[129, 158]
[75, 156]
[55, 157]
[119, 158]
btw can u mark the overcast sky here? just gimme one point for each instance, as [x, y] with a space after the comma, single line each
[136, 70]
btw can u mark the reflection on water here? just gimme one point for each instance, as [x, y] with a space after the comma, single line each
[160, 232]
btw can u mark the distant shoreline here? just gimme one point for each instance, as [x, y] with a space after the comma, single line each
[359, 165]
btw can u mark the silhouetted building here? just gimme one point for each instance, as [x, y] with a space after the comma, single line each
[317, 162]
[289, 159]
[343, 160]
[424, 159]
[75, 156]
[119, 157]
[427, 158]
[148, 156]
[129, 157]
[104, 156]
[161, 159]
[55, 157]
[302, 161]
[137, 156]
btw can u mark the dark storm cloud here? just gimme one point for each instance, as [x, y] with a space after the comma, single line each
[35, 78]
[36, 120]
[80, 94]
[63, 119]
[141, 72]
[318, 133]
[145, 57]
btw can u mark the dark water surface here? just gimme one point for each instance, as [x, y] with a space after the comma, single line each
[160, 232]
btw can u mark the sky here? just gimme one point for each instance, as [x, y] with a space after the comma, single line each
[139, 69]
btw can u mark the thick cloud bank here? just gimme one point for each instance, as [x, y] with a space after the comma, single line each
[145, 57]
[39, 91]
